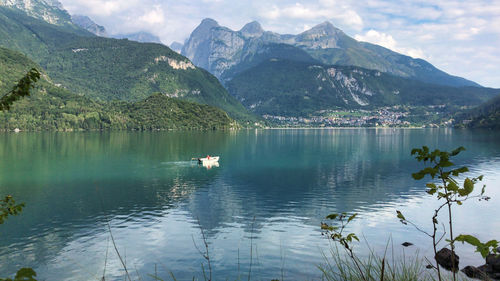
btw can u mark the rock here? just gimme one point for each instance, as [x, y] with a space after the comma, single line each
[494, 261]
[407, 244]
[488, 271]
[474, 272]
[484, 268]
[445, 259]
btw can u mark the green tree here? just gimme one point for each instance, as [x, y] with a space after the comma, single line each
[21, 89]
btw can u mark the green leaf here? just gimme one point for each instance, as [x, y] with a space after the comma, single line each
[457, 151]
[400, 215]
[492, 243]
[332, 216]
[431, 171]
[452, 186]
[432, 191]
[468, 239]
[352, 217]
[459, 171]
[418, 176]
[468, 186]
[446, 163]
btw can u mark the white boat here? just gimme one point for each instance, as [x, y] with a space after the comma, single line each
[209, 165]
[208, 160]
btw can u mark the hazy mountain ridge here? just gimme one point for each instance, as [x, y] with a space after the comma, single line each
[89, 25]
[176, 46]
[141, 36]
[218, 49]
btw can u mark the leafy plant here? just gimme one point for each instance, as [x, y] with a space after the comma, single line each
[483, 248]
[23, 274]
[336, 233]
[21, 89]
[453, 192]
[8, 207]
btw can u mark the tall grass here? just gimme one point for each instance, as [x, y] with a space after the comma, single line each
[338, 266]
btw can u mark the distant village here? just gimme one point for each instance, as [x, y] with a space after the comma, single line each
[396, 116]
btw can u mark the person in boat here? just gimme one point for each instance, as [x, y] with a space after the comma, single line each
[208, 157]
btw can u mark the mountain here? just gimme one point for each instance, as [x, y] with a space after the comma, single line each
[218, 49]
[286, 87]
[486, 115]
[111, 69]
[266, 53]
[252, 29]
[50, 11]
[142, 36]
[89, 25]
[51, 107]
[176, 46]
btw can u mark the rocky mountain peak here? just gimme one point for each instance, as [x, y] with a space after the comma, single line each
[326, 28]
[89, 25]
[197, 46]
[252, 29]
[203, 29]
[208, 22]
[50, 11]
[321, 36]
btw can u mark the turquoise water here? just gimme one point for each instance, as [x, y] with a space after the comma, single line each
[270, 192]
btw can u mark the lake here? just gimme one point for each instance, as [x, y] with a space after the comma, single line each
[260, 210]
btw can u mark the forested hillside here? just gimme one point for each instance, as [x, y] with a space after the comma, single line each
[52, 107]
[487, 115]
[111, 69]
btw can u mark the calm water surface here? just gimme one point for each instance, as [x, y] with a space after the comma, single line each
[271, 191]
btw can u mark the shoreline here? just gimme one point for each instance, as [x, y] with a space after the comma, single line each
[229, 130]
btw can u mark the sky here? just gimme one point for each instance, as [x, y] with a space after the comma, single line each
[461, 37]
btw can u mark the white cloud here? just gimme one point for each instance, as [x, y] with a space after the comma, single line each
[99, 7]
[386, 40]
[378, 38]
[152, 17]
[321, 11]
